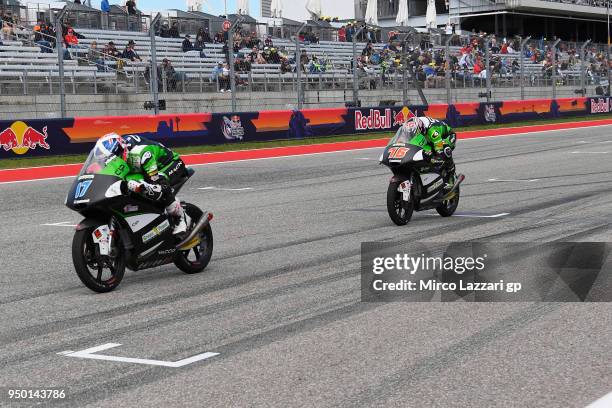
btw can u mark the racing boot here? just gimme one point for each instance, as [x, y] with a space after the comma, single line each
[176, 211]
[449, 175]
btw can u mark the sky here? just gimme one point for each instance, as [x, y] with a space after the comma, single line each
[215, 7]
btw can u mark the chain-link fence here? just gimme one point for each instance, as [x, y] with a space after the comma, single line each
[52, 70]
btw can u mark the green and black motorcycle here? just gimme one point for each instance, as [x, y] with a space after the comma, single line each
[417, 185]
[125, 230]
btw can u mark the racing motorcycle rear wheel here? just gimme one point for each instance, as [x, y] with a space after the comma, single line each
[99, 273]
[400, 211]
[196, 259]
[448, 207]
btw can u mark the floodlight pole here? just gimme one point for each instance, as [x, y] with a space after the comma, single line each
[230, 49]
[60, 57]
[582, 73]
[153, 71]
[522, 62]
[298, 67]
[355, 62]
[554, 68]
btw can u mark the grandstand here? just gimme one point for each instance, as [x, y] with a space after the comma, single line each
[395, 69]
[578, 20]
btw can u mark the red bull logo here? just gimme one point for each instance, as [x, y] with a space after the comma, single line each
[20, 138]
[402, 116]
[376, 120]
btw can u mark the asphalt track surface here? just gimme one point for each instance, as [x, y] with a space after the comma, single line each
[280, 300]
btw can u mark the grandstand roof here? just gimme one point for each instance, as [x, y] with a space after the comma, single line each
[246, 18]
[188, 14]
[211, 17]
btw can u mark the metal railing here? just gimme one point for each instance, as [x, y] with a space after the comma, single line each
[80, 80]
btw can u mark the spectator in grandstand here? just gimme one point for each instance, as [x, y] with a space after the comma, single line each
[94, 57]
[223, 78]
[368, 50]
[273, 56]
[187, 44]
[220, 38]
[252, 56]
[342, 34]
[70, 39]
[202, 38]
[48, 32]
[173, 78]
[111, 51]
[216, 72]
[7, 26]
[304, 60]
[242, 65]
[129, 53]
[41, 41]
[131, 7]
[350, 32]
[174, 31]
[261, 59]
[164, 30]
[285, 66]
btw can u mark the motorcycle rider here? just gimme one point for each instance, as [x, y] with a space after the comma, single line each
[442, 139]
[160, 167]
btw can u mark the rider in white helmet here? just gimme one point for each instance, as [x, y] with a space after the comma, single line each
[160, 167]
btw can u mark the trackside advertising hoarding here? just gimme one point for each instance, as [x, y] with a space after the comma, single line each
[42, 137]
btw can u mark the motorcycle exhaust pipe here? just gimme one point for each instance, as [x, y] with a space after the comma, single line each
[460, 180]
[192, 239]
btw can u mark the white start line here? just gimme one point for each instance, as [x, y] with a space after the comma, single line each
[474, 215]
[494, 180]
[61, 224]
[578, 152]
[603, 402]
[90, 353]
[225, 189]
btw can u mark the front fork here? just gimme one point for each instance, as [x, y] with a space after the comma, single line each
[103, 236]
[405, 187]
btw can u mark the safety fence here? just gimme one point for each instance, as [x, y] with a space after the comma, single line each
[77, 135]
[38, 74]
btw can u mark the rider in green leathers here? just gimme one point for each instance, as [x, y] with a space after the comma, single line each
[442, 139]
[160, 167]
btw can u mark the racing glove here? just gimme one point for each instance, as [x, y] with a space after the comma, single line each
[452, 139]
[151, 191]
[447, 153]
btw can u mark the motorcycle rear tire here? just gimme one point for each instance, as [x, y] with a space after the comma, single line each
[181, 261]
[447, 209]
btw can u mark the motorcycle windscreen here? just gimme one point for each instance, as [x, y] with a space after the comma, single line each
[98, 163]
[404, 134]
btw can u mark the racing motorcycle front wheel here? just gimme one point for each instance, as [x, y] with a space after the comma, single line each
[400, 211]
[196, 259]
[98, 272]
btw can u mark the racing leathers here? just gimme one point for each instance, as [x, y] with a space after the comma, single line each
[442, 139]
[161, 168]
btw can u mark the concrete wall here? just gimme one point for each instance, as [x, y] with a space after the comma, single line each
[48, 106]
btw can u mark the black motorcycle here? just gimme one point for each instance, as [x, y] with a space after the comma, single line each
[125, 230]
[417, 185]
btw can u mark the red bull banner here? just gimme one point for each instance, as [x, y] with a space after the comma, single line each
[77, 135]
